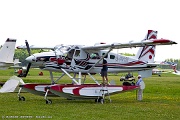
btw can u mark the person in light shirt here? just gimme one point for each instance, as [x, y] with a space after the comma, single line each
[141, 85]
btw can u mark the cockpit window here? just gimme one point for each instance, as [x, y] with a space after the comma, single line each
[77, 53]
[62, 48]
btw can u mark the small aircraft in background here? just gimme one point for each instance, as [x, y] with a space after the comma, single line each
[171, 64]
[157, 72]
[80, 59]
[7, 54]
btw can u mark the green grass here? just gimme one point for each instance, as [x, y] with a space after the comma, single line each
[161, 101]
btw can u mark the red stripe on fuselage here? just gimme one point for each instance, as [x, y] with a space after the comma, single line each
[128, 64]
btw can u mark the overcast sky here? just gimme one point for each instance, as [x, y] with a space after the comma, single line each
[52, 22]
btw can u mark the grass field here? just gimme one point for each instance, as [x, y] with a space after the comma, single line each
[161, 101]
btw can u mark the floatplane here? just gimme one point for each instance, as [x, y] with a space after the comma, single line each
[80, 59]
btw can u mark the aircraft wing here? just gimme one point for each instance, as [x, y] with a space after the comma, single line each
[35, 47]
[130, 44]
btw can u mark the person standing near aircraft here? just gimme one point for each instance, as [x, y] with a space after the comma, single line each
[140, 83]
[104, 72]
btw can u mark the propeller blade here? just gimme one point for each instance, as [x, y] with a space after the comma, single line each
[28, 48]
[28, 67]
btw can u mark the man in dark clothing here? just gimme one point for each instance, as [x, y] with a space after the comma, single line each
[104, 71]
[129, 75]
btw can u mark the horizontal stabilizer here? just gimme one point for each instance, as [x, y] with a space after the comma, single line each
[35, 47]
[153, 64]
[11, 84]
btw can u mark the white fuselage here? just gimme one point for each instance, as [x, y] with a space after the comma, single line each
[83, 62]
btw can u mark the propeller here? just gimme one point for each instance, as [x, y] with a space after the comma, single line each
[29, 52]
[28, 48]
[28, 67]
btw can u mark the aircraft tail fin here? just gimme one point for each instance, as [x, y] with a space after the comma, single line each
[172, 65]
[7, 51]
[147, 53]
[174, 68]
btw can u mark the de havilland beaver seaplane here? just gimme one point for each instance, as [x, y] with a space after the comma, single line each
[80, 59]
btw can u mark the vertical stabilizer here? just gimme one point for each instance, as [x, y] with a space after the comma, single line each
[147, 53]
[7, 51]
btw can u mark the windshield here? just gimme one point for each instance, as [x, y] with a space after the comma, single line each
[62, 49]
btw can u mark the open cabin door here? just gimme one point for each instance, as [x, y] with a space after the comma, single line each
[80, 59]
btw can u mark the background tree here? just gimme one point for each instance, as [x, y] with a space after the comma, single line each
[127, 54]
[22, 54]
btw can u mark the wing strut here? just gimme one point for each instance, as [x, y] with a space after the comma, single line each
[93, 79]
[52, 78]
[100, 59]
[70, 76]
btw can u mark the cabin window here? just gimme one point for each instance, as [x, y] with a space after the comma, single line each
[70, 53]
[112, 57]
[94, 56]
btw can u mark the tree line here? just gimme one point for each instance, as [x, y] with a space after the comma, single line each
[22, 54]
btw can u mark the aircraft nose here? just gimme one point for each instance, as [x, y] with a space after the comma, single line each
[30, 59]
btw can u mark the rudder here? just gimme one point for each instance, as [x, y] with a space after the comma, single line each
[7, 51]
[147, 53]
